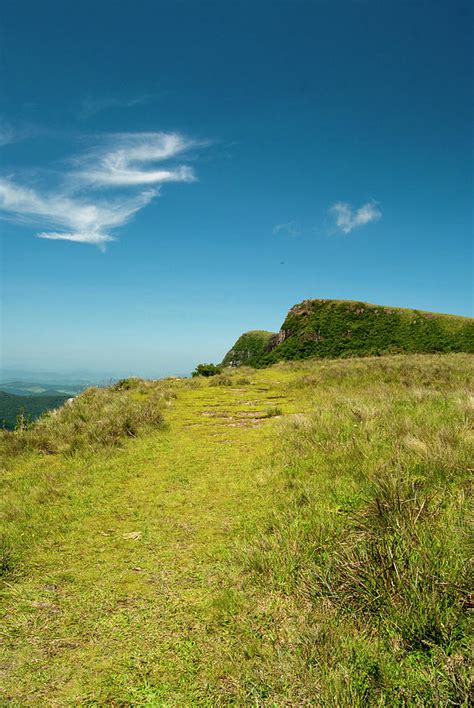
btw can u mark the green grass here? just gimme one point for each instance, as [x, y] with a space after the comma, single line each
[225, 556]
[97, 418]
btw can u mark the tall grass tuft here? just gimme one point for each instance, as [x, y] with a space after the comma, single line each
[97, 418]
[367, 533]
[401, 562]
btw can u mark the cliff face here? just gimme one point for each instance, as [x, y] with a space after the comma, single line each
[338, 328]
[249, 348]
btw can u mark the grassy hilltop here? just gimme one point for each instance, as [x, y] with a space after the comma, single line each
[339, 328]
[293, 535]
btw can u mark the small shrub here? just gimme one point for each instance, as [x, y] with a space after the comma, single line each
[206, 370]
[22, 422]
[132, 382]
[221, 380]
[273, 411]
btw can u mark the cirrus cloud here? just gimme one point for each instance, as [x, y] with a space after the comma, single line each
[73, 212]
[122, 161]
[290, 228]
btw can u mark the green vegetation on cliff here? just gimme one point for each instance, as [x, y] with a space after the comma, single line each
[342, 328]
[295, 537]
[249, 348]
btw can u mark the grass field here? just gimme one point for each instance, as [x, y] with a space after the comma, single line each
[290, 536]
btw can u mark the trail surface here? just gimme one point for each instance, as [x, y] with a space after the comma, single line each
[121, 595]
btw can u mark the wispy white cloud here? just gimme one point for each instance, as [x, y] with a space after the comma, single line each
[73, 212]
[82, 221]
[90, 106]
[97, 239]
[13, 134]
[347, 218]
[290, 228]
[7, 134]
[20, 130]
[122, 161]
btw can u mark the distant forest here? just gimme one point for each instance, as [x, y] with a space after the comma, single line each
[12, 406]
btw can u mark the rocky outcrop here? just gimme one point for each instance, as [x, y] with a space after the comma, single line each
[249, 348]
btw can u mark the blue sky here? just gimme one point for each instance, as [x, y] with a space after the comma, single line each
[242, 156]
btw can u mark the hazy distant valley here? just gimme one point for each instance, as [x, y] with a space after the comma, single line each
[31, 399]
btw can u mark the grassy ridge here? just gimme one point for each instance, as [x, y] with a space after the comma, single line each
[296, 536]
[332, 328]
[341, 328]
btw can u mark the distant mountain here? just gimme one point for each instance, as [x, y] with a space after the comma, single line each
[11, 406]
[54, 378]
[339, 328]
[28, 388]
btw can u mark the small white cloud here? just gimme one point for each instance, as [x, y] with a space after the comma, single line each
[347, 218]
[290, 228]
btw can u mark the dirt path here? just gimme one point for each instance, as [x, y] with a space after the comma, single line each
[121, 598]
